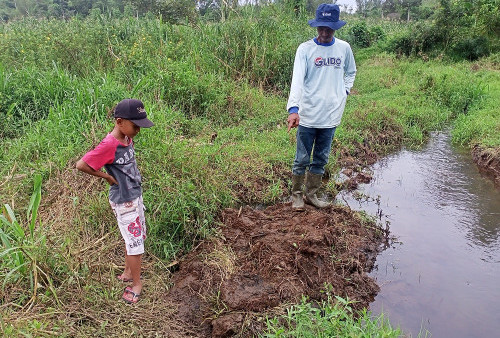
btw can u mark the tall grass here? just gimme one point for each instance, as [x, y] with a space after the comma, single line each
[482, 123]
[24, 254]
[217, 94]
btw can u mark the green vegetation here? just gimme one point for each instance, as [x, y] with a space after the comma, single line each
[24, 255]
[217, 93]
[482, 124]
[328, 319]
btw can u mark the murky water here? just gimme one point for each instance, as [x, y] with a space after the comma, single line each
[442, 275]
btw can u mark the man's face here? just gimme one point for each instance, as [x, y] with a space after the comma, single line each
[325, 34]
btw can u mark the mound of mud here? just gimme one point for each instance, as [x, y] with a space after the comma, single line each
[265, 259]
[488, 161]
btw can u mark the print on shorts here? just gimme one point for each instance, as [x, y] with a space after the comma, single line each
[135, 228]
[132, 225]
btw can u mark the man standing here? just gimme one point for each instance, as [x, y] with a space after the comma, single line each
[323, 74]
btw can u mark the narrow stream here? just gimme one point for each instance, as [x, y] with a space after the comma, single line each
[441, 276]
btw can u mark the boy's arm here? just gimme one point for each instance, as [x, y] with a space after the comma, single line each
[82, 166]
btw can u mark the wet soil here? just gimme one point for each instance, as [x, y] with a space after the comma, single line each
[488, 162]
[263, 260]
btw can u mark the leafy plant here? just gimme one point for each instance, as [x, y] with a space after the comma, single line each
[19, 249]
[361, 34]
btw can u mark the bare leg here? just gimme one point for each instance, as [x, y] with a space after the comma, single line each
[134, 264]
[127, 274]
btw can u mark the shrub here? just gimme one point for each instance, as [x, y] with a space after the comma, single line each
[360, 34]
[377, 33]
[471, 48]
[401, 44]
[363, 35]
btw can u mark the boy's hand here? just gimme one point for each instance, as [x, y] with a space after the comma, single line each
[82, 166]
[293, 121]
[111, 180]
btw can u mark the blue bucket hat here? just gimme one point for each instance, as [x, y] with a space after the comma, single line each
[327, 15]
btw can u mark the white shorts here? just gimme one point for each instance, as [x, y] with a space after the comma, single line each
[132, 224]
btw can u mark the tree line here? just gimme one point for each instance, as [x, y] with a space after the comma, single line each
[170, 10]
[64, 9]
[467, 28]
[396, 9]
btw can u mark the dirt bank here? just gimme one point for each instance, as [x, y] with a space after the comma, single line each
[263, 260]
[488, 161]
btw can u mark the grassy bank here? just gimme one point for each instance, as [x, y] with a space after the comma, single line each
[482, 124]
[217, 95]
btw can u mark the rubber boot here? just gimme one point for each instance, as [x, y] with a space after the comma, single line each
[297, 199]
[313, 183]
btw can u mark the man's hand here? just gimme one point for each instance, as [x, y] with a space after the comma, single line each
[293, 121]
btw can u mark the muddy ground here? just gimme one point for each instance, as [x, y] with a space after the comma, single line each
[488, 162]
[266, 259]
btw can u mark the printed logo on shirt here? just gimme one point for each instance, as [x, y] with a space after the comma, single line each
[335, 62]
[127, 156]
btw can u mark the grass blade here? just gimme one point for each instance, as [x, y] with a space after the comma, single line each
[11, 272]
[32, 212]
[10, 219]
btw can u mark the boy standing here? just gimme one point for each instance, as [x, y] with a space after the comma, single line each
[116, 154]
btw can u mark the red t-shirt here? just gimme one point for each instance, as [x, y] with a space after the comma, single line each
[119, 161]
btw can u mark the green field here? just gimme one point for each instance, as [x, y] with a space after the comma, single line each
[217, 94]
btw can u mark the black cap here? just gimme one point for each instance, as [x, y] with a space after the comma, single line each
[133, 110]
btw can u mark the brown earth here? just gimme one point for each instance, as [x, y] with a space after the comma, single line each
[266, 259]
[488, 161]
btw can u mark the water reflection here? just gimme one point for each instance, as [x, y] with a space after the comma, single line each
[443, 275]
[469, 197]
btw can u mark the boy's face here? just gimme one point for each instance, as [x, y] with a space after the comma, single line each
[127, 127]
[325, 34]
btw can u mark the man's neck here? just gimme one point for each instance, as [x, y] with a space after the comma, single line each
[324, 44]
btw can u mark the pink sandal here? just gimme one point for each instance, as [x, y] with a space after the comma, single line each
[135, 296]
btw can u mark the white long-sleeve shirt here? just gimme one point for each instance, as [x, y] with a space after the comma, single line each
[322, 73]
